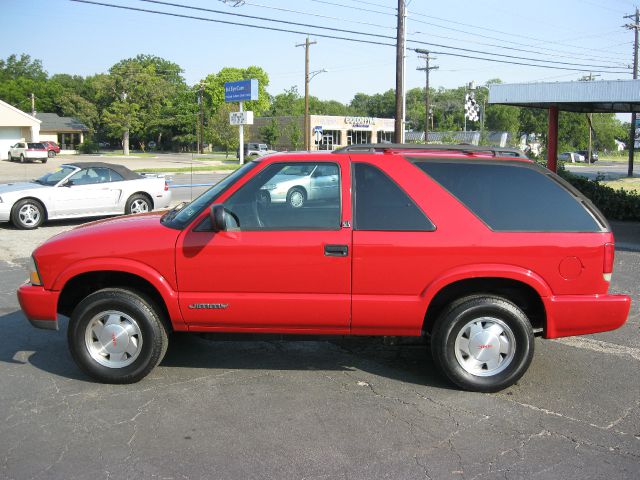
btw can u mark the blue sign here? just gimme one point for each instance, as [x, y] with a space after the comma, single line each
[242, 91]
[317, 129]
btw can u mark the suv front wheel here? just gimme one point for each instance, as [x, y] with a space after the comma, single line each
[116, 336]
[483, 343]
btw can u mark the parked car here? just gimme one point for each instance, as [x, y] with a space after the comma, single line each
[585, 154]
[573, 157]
[255, 149]
[103, 144]
[52, 148]
[81, 190]
[28, 151]
[297, 185]
[476, 249]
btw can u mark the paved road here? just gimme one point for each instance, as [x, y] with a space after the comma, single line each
[346, 408]
[316, 409]
[609, 170]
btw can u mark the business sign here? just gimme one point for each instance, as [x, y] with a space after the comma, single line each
[360, 122]
[242, 91]
[636, 143]
[241, 118]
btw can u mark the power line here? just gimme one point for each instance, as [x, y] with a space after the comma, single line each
[387, 37]
[335, 37]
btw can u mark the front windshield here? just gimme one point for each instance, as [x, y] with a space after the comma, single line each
[182, 217]
[54, 177]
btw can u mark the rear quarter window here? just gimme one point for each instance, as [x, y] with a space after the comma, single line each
[513, 198]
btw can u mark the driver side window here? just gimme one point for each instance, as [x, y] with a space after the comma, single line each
[289, 196]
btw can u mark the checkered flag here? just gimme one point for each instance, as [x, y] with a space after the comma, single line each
[471, 108]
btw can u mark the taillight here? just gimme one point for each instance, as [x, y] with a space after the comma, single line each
[609, 255]
[166, 186]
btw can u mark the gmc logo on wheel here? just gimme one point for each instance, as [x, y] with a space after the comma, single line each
[484, 346]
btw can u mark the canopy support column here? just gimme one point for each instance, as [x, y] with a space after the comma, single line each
[552, 140]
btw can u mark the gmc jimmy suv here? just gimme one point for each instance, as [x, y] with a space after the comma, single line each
[477, 249]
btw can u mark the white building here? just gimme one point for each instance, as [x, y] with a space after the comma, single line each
[15, 126]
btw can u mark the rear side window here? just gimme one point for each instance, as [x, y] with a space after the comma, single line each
[380, 204]
[513, 198]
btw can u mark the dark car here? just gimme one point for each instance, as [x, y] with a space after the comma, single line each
[52, 148]
[585, 154]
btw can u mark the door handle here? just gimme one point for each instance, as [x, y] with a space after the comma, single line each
[336, 250]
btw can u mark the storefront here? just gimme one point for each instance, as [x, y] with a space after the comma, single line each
[327, 132]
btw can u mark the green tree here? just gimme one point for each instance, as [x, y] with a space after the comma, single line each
[223, 134]
[271, 132]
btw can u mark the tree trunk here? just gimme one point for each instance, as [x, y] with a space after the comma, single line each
[125, 142]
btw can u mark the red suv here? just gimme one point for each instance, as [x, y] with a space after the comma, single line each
[52, 148]
[477, 249]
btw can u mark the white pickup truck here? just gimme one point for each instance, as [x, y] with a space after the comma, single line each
[31, 151]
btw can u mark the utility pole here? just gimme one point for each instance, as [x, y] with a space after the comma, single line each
[400, 49]
[632, 134]
[201, 120]
[426, 56]
[307, 134]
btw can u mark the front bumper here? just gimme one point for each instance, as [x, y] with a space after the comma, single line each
[569, 315]
[39, 306]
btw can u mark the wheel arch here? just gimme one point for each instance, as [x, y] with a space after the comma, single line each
[144, 194]
[528, 296]
[82, 279]
[39, 200]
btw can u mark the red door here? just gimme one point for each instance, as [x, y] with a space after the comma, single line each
[278, 268]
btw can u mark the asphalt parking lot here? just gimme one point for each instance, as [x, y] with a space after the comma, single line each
[320, 409]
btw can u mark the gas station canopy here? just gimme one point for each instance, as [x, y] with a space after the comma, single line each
[601, 96]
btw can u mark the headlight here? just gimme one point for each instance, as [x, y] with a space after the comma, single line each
[34, 275]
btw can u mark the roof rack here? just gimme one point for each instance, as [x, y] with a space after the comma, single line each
[463, 148]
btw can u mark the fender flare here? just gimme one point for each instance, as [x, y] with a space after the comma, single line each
[487, 270]
[155, 278]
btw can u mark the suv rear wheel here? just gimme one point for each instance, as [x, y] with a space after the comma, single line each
[116, 336]
[483, 343]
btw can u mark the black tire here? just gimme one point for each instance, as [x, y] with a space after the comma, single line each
[296, 197]
[27, 214]
[152, 340]
[453, 329]
[21, 158]
[136, 202]
[9, 156]
[44, 160]
[51, 154]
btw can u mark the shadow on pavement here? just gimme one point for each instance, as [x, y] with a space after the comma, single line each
[47, 351]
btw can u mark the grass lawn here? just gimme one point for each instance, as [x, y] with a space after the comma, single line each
[204, 168]
[613, 158]
[629, 184]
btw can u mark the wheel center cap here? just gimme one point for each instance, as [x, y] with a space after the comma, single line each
[484, 346]
[114, 339]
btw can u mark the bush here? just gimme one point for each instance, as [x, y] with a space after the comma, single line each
[88, 146]
[614, 204]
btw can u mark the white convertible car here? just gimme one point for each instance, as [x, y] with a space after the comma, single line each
[81, 190]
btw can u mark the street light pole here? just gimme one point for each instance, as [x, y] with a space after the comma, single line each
[400, 50]
[632, 133]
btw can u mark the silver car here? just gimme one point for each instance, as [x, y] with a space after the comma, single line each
[76, 190]
[299, 184]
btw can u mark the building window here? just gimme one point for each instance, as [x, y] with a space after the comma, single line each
[385, 137]
[357, 137]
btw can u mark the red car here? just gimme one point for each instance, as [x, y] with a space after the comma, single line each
[52, 148]
[477, 249]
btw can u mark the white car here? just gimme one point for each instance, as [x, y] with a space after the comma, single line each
[31, 151]
[572, 157]
[81, 190]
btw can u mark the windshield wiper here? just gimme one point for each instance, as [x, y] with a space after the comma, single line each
[167, 217]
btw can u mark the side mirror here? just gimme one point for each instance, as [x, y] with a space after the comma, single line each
[218, 218]
[68, 183]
